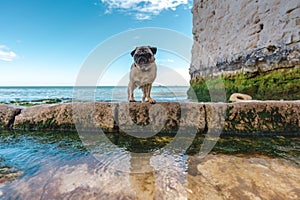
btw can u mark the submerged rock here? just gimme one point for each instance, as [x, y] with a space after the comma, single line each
[7, 175]
[213, 177]
[255, 177]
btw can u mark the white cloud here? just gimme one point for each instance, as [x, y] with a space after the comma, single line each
[143, 9]
[142, 16]
[162, 61]
[6, 54]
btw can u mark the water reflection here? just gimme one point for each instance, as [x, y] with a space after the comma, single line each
[142, 177]
[57, 166]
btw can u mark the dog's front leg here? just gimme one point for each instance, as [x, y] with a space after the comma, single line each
[144, 89]
[149, 87]
[130, 92]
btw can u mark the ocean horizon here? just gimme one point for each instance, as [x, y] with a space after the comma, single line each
[9, 94]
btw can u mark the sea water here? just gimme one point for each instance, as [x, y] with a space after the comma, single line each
[103, 93]
[44, 165]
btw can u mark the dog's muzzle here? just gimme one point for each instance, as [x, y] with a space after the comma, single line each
[143, 59]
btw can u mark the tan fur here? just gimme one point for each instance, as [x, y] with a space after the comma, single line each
[142, 79]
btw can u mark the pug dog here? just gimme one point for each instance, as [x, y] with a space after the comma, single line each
[142, 72]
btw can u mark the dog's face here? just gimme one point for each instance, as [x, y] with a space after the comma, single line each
[144, 56]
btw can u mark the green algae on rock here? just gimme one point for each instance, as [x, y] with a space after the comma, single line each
[272, 85]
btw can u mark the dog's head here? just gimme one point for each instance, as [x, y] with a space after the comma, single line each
[143, 56]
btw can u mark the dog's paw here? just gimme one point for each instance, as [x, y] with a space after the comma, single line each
[152, 101]
[132, 100]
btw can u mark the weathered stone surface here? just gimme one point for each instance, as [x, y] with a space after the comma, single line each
[263, 117]
[231, 177]
[215, 117]
[247, 38]
[7, 115]
[160, 117]
[44, 117]
[254, 117]
[94, 115]
[228, 29]
[65, 117]
[145, 120]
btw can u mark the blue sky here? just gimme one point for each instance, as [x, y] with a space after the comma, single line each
[45, 42]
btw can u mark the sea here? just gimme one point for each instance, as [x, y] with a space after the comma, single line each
[100, 93]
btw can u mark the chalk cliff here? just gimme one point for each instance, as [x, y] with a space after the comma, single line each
[253, 46]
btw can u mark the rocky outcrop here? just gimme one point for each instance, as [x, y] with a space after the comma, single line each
[66, 117]
[254, 46]
[272, 117]
[167, 117]
[260, 117]
[145, 120]
[7, 115]
[124, 117]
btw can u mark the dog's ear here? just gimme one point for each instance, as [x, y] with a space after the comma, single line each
[153, 49]
[133, 52]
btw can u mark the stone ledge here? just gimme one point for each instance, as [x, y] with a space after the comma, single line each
[7, 115]
[254, 117]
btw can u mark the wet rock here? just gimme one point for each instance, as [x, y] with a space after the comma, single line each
[231, 177]
[7, 175]
[79, 181]
[160, 117]
[272, 117]
[215, 114]
[7, 115]
[146, 120]
[65, 117]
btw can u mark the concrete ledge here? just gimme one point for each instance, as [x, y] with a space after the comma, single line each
[254, 117]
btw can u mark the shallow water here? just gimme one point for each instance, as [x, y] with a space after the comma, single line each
[40, 159]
